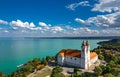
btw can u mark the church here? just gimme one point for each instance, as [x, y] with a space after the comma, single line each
[78, 58]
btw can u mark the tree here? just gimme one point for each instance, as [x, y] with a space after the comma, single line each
[108, 69]
[48, 58]
[44, 61]
[98, 52]
[111, 63]
[76, 70]
[27, 68]
[56, 72]
[14, 74]
[86, 74]
[98, 70]
[36, 61]
[57, 75]
[118, 61]
[101, 57]
[24, 75]
[115, 71]
[109, 75]
[57, 69]
[1, 74]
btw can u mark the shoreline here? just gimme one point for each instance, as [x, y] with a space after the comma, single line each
[84, 37]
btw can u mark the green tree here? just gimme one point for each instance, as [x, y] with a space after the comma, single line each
[57, 75]
[101, 57]
[98, 52]
[48, 58]
[109, 75]
[1, 74]
[28, 68]
[108, 69]
[24, 75]
[30, 62]
[118, 61]
[115, 71]
[76, 70]
[57, 69]
[36, 61]
[56, 72]
[44, 61]
[98, 70]
[111, 63]
[86, 74]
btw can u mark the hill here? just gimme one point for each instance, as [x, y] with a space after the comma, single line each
[111, 44]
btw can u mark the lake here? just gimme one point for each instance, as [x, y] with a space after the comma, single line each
[16, 51]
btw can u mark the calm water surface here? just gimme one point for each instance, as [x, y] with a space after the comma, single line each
[15, 51]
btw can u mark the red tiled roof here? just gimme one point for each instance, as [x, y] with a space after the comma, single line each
[70, 52]
[75, 53]
[93, 55]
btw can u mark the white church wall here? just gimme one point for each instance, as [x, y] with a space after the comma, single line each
[60, 59]
[82, 63]
[73, 61]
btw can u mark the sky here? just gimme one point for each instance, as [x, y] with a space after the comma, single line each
[59, 18]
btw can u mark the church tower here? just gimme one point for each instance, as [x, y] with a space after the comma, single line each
[85, 55]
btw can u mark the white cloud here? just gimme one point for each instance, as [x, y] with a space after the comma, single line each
[79, 20]
[36, 28]
[43, 24]
[107, 6]
[75, 5]
[84, 31]
[21, 24]
[46, 26]
[56, 29]
[3, 22]
[106, 21]
[31, 25]
[110, 32]
[26, 29]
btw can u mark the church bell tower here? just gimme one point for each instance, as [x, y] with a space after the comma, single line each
[85, 55]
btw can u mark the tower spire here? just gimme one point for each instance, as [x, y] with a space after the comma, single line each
[83, 43]
[85, 57]
[87, 43]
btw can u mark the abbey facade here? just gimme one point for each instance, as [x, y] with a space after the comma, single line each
[78, 58]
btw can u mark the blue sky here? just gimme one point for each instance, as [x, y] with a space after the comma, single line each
[59, 18]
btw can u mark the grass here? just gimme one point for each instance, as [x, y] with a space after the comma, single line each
[47, 71]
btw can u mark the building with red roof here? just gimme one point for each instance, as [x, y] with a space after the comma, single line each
[78, 58]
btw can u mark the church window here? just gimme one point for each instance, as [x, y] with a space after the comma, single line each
[75, 59]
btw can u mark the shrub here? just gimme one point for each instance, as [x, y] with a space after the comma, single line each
[98, 70]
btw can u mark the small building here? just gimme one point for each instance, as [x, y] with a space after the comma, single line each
[78, 58]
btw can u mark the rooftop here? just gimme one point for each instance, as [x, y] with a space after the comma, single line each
[75, 53]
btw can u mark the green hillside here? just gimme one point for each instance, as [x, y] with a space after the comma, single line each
[111, 44]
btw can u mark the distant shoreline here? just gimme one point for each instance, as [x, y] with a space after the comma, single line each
[89, 37]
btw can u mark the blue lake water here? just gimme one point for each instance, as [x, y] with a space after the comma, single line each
[15, 51]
